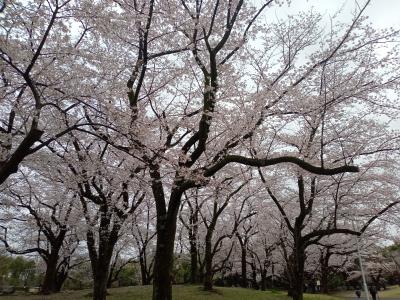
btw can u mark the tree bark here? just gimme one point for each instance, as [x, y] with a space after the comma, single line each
[11, 165]
[100, 259]
[324, 282]
[143, 270]
[166, 229]
[208, 258]
[61, 277]
[254, 276]
[49, 284]
[162, 285]
[193, 262]
[296, 273]
[324, 261]
[243, 282]
[100, 278]
[193, 247]
[101, 270]
[263, 280]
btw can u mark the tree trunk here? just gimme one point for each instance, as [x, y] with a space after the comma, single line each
[193, 263]
[163, 261]
[324, 282]
[201, 274]
[101, 270]
[297, 272]
[100, 259]
[254, 276]
[61, 277]
[324, 261]
[49, 284]
[263, 280]
[100, 279]
[143, 270]
[193, 229]
[243, 282]
[208, 258]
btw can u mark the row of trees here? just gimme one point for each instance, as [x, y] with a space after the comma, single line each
[223, 231]
[146, 113]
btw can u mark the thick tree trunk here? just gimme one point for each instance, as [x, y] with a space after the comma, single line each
[297, 273]
[100, 276]
[166, 229]
[100, 259]
[100, 279]
[49, 284]
[163, 263]
[101, 270]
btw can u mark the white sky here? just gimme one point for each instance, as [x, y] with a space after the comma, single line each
[382, 13]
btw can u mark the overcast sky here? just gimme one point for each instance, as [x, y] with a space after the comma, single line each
[382, 13]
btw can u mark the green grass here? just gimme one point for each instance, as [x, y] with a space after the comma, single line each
[390, 292]
[180, 292]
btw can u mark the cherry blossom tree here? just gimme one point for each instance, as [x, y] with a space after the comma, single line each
[39, 217]
[190, 218]
[143, 232]
[329, 207]
[107, 198]
[181, 91]
[221, 197]
[38, 73]
[179, 147]
[244, 233]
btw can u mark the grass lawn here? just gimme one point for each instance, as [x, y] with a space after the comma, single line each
[180, 292]
[392, 292]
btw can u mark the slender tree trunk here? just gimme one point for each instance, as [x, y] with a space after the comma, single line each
[324, 261]
[109, 282]
[208, 258]
[243, 282]
[61, 277]
[201, 274]
[143, 270]
[193, 251]
[254, 276]
[263, 280]
[193, 263]
[324, 282]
